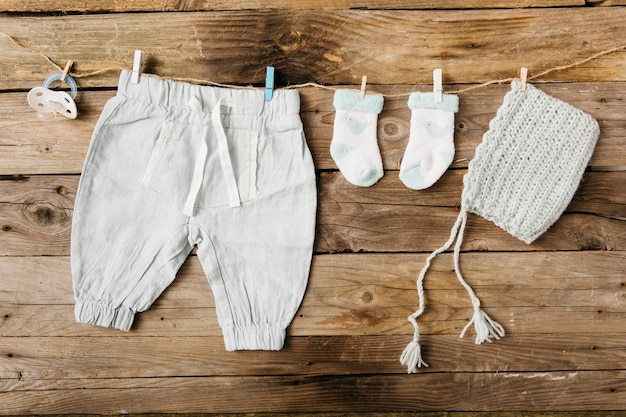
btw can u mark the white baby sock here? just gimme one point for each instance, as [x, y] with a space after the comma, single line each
[430, 150]
[354, 146]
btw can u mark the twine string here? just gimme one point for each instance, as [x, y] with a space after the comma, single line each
[316, 85]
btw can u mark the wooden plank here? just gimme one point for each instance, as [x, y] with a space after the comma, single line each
[31, 147]
[178, 321]
[37, 358]
[199, 5]
[391, 47]
[534, 294]
[601, 193]
[585, 390]
[354, 227]
[376, 219]
[36, 215]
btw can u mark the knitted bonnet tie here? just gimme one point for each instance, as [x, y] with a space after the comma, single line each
[523, 176]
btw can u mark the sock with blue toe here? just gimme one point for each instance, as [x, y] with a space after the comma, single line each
[354, 146]
[430, 150]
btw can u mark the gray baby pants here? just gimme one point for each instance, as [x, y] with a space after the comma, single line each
[173, 165]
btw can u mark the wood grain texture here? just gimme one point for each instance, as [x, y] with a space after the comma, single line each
[35, 358]
[36, 215]
[586, 390]
[535, 294]
[200, 5]
[328, 47]
[28, 146]
[561, 300]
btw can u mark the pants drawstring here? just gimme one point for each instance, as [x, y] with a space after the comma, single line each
[224, 154]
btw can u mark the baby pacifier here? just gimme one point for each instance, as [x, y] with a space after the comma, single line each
[48, 103]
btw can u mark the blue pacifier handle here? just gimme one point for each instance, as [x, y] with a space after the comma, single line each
[56, 76]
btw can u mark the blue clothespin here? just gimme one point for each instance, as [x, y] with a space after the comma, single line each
[269, 84]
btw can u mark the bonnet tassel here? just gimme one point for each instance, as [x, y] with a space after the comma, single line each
[486, 328]
[412, 355]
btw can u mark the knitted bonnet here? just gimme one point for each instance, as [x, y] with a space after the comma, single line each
[523, 176]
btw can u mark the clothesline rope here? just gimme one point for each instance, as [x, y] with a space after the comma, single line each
[321, 86]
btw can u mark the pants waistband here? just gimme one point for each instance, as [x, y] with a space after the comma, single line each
[176, 94]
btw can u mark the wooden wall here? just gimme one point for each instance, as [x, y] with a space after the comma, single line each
[562, 300]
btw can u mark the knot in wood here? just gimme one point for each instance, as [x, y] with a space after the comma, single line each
[480, 245]
[461, 126]
[47, 215]
[390, 128]
[290, 41]
[621, 296]
[592, 243]
[367, 297]
[61, 190]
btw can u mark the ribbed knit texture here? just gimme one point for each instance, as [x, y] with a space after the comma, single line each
[530, 162]
[420, 100]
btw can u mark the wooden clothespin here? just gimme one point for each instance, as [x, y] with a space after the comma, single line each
[523, 75]
[438, 85]
[66, 70]
[363, 84]
[269, 83]
[137, 66]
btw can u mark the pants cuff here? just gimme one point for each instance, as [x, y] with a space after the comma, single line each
[254, 338]
[100, 314]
